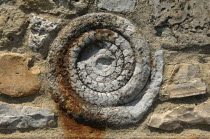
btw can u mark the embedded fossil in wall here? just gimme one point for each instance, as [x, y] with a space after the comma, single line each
[100, 70]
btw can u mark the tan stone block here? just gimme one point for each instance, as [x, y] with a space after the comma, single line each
[15, 77]
[177, 117]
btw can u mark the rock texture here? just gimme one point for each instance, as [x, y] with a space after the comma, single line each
[182, 115]
[92, 63]
[186, 23]
[41, 29]
[36, 4]
[17, 117]
[108, 72]
[185, 81]
[5, 1]
[64, 8]
[16, 79]
[12, 26]
[117, 5]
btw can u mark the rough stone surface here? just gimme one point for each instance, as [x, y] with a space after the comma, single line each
[104, 69]
[11, 33]
[179, 27]
[4, 1]
[182, 24]
[56, 7]
[40, 32]
[17, 117]
[117, 5]
[16, 79]
[185, 81]
[39, 5]
[71, 7]
[182, 115]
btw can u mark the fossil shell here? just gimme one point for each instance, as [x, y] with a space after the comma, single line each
[100, 66]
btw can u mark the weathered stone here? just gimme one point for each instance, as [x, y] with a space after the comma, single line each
[4, 1]
[180, 10]
[179, 116]
[16, 79]
[182, 41]
[40, 32]
[12, 26]
[109, 72]
[71, 7]
[190, 88]
[187, 20]
[185, 81]
[36, 4]
[17, 117]
[58, 7]
[117, 5]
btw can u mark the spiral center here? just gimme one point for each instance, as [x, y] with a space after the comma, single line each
[104, 63]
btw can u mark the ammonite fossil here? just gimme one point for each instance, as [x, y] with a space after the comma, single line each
[101, 70]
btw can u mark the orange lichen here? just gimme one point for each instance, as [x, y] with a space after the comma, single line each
[74, 129]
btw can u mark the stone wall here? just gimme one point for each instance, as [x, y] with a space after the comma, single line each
[142, 68]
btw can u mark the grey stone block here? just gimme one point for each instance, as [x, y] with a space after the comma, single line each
[40, 32]
[117, 5]
[17, 117]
